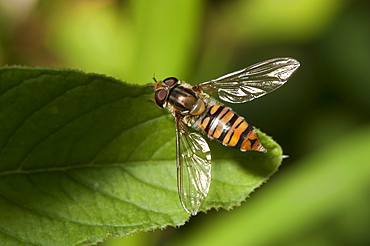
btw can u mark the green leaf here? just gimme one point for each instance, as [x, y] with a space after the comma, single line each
[84, 156]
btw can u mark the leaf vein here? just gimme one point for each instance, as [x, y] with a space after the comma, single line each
[42, 213]
[15, 238]
[62, 127]
[143, 181]
[33, 113]
[80, 166]
[23, 81]
[144, 209]
[123, 132]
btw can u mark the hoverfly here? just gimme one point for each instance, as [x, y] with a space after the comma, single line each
[192, 107]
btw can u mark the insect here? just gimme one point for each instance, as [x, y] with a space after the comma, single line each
[192, 107]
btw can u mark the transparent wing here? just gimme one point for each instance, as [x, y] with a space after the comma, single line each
[193, 168]
[254, 81]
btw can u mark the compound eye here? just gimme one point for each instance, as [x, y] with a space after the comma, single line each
[171, 81]
[160, 97]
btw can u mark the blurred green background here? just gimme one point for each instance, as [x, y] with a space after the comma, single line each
[320, 117]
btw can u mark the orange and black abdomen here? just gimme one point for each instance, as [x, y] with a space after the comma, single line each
[227, 127]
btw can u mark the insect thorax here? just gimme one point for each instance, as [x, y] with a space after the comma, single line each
[185, 100]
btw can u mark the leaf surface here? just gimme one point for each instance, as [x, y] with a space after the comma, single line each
[84, 156]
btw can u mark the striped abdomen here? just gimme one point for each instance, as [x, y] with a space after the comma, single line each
[227, 127]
